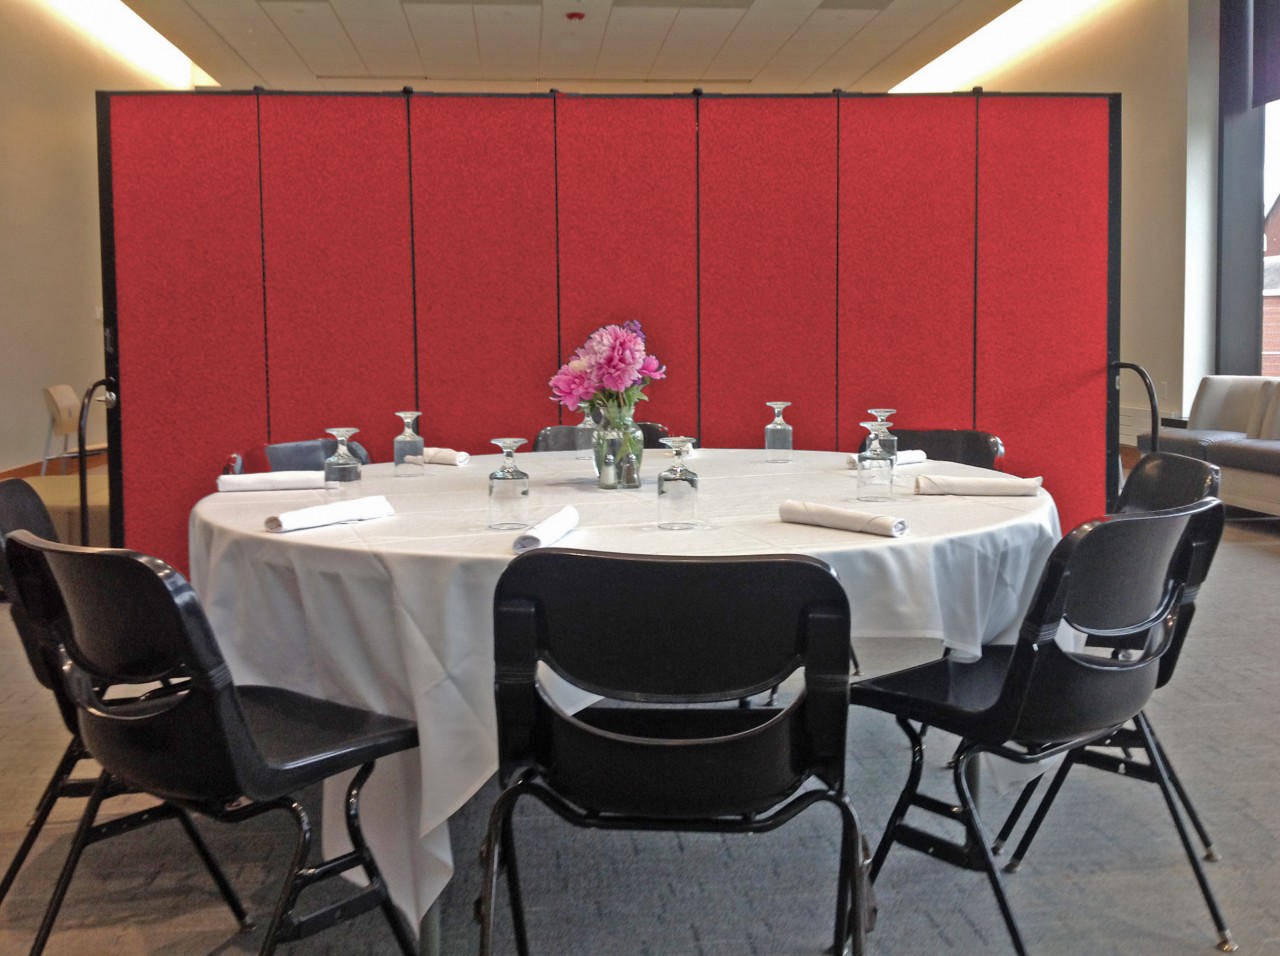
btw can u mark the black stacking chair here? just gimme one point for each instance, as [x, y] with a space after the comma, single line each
[653, 434]
[22, 509]
[676, 755]
[196, 740]
[1120, 577]
[952, 444]
[556, 438]
[309, 455]
[1159, 480]
[564, 437]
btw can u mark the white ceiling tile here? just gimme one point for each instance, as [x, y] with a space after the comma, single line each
[254, 35]
[380, 33]
[315, 32]
[620, 45]
[694, 41]
[632, 41]
[446, 38]
[508, 37]
[758, 36]
[571, 48]
[819, 38]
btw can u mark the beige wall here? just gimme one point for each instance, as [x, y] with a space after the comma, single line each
[1161, 56]
[50, 272]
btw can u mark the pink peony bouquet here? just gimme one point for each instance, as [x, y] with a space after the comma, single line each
[609, 371]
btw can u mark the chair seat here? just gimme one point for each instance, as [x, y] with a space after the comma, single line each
[304, 739]
[948, 694]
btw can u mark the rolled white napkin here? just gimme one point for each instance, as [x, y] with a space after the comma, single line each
[909, 456]
[548, 530]
[354, 509]
[955, 485]
[438, 456]
[271, 481]
[827, 516]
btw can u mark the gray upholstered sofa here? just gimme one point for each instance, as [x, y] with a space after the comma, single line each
[1234, 423]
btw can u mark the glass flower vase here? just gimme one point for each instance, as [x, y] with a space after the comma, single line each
[617, 422]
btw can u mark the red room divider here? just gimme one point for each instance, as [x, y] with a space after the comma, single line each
[275, 264]
[485, 265]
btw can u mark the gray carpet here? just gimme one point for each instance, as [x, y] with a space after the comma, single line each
[1107, 874]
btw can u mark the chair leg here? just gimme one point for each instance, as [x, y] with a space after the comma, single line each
[980, 843]
[508, 859]
[66, 764]
[1225, 942]
[1042, 811]
[289, 892]
[399, 927]
[499, 824]
[1210, 854]
[1015, 815]
[78, 843]
[904, 799]
[206, 857]
[851, 890]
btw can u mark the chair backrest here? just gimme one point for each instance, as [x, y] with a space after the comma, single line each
[672, 631]
[309, 455]
[966, 446]
[63, 405]
[653, 434]
[556, 438]
[21, 509]
[564, 437]
[133, 622]
[1116, 578]
[1165, 480]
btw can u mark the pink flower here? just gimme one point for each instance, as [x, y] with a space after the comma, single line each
[612, 361]
[616, 354]
[574, 383]
[650, 368]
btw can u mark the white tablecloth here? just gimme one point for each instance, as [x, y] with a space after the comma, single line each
[394, 614]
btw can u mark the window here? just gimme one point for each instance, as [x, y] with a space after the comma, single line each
[1271, 241]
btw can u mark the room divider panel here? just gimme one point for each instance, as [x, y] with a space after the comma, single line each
[337, 263]
[1044, 204]
[485, 253]
[767, 202]
[629, 235]
[182, 286]
[279, 263]
[907, 321]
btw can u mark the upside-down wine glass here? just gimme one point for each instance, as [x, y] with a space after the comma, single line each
[508, 490]
[876, 463]
[408, 448]
[678, 489]
[341, 467]
[777, 435]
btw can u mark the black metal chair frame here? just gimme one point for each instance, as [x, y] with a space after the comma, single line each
[1034, 700]
[197, 741]
[1159, 480]
[309, 455]
[967, 446]
[670, 758]
[21, 508]
[563, 437]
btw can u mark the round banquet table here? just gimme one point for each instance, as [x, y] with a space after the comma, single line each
[395, 614]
